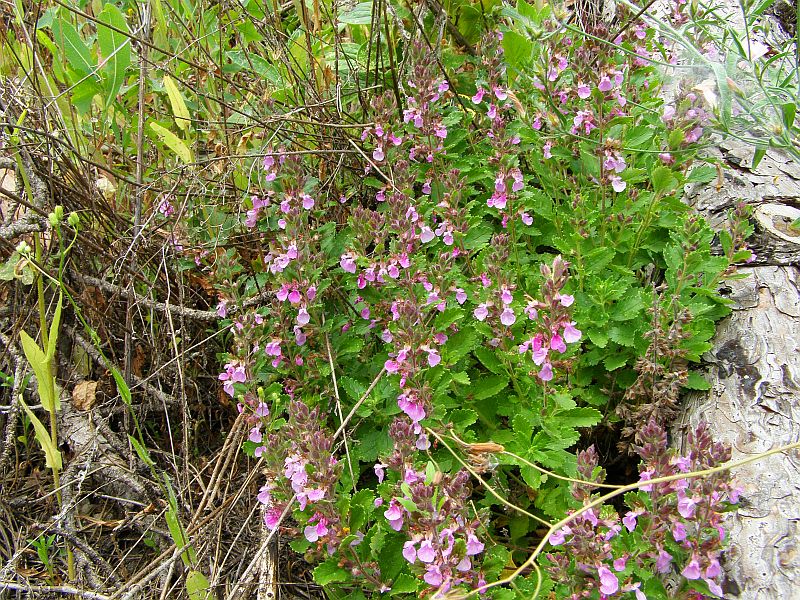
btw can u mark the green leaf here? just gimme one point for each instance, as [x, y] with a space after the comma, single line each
[489, 359]
[122, 387]
[51, 454]
[73, 47]
[759, 153]
[789, 109]
[460, 344]
[697, 382]
[173, 142]
[580, 417]
[115, 49]
[52, 338]
[489, 386]
[404, 584]
[360, 14]
[179, 110]
[41, 368]
[178, 535]
[330, 572]
[517, 49]
[141, 451]
[197, 586]
[664, 180]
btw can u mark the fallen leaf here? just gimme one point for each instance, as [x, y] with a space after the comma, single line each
[84, 395]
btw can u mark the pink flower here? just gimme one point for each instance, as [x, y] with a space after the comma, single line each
[557, 343]
[478, 97]
[308, 202]
[272, 517]
[571, 334]
[380, 471]
[264, 496]
[546, 374]
[686, 506]
[678, 531]
[303, 317]
[255, 435]
[609, 584]
[461, 296]
[347, 263]
[394, 514]
[426, 552]
[663, 561]
[222, 309]
[433, 576]
[426, 234]
[605, 84]
[409, 552]
[692, 570]
[315, 532]
[546, 150]
[481, 312]
[526, 219]
[629, 520]
[583, 91]
[507, 317]
[617, 184]
[433, 358]
[619, 564]
[474, 545]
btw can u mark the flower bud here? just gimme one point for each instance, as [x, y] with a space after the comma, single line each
[73, 220]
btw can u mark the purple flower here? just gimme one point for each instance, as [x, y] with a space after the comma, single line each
[272, 517]
[380, 471]
[663, 561]
[347, 263]
[619, 564]
[617, 184]
[686, 506]
[546, 373]
[605, 84]
[308, 202]
[527, 219]
[714, 587]
[678, 531]
[609, 584]
[546, 149]
[692, 569]
[557, 343]
[478, 97]
[433, 576]
[394, 514]
[426, 234]
[303, 317]
[409, 552]
[583, 91]
[426, 552]
[378, 155]
[557, 537]
[315, 532]
[255, 435]
[507, 317]
[433, 358]
[629, 520]
[461, 296]
[481, 312]
[474, 545]
[222, 309]
[315, 494]
[264, 495]
[571, 334]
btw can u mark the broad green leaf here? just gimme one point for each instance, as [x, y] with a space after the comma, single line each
[404, 584]
[115, 49]
[517, 49]
[179, 110]
[664, 180]
[697, 382]
[178, 535]
[74, 48]
[41, 368]
[789, 109]
[580, 417]
[51, 453]
[197, 586]
[330, 572]
[360, 14]
[489, 386]
[173, 142]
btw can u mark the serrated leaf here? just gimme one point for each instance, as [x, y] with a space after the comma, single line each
[173, 142]
[404, 584]
[115, 49]
[599, 337]
[489, 386]
[460, 344]
[179, 110]
[330, 572]
[462, 418]
[612, 362]
[664, 180]
[489, 359]
[52, 455]
[580, 417]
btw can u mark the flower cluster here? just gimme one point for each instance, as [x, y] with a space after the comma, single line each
[552, 314]
[671, 526]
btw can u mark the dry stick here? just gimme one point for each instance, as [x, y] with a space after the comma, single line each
[9, 440]
[247, 576]
[602, 499]
[339, 405]
[55, 589]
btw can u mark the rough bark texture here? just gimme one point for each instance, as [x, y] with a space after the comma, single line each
[754, 403]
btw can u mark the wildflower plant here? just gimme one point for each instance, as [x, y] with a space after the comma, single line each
[481, 269]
